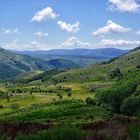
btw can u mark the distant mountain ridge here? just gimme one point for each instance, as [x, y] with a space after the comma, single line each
[92, 53]
[82, 57]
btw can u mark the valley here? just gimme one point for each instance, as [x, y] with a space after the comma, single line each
[76, 97]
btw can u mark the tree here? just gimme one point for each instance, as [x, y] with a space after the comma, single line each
[130, 106]
[90, 101]
[115, 73]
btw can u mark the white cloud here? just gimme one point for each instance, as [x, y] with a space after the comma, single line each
[41, 34]
[74, 42]
[32, 46]
[138, 32]
[119, 43]
[124, 5]
[110, 28]
[45, 14]
[9, 31]
[70, 28]
[71, 43]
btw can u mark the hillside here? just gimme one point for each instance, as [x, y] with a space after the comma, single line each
[12, 64]
[62, 64]
[125, 63]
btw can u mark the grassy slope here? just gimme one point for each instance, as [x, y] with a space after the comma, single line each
[12, 64]
[100, 72]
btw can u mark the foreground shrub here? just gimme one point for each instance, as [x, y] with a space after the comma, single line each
[58, 133]
[133, 131]
[130, 106]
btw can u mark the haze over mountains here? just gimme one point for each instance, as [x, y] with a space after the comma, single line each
[82, 57]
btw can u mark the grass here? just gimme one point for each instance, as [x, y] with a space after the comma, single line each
[56, 133]
[66, 111]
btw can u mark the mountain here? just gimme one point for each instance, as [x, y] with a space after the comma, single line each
[92, 53]
[82, 57]
[62, 64]
[12, 64]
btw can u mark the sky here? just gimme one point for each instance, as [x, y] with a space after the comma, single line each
[28, 25]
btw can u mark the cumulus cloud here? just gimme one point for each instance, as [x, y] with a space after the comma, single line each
[41, 34]
[70, 43]
[110, 28]
[124, 5]
[74, 42]
[45, 14]
[70, 28]
[32, 46]
[119, 43]
[9, 31]
[138, 32]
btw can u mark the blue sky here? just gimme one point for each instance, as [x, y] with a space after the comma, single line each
[55, 24]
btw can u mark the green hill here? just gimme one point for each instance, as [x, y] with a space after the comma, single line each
[99, 72]
[12, 64]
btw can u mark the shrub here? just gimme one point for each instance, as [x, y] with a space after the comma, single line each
[4, 137]
[69, 94]
[115, 73]
[133, 131]
[115, 95]
[1, 106]
[57, 133]
[138, 66]
[130, 106]
[60, 96]
[14, 106]
[90, 101]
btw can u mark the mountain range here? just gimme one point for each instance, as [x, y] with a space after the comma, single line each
[82, 57]
[13, 63]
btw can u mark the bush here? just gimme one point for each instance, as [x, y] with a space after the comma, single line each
[130, 106]
[69, 94]
[14, 106]
[58, 133]
[90, 101]
[60, 96]
[134, 132]
[1, 106]
[115, 73]
[114, 96]
[138, 66]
